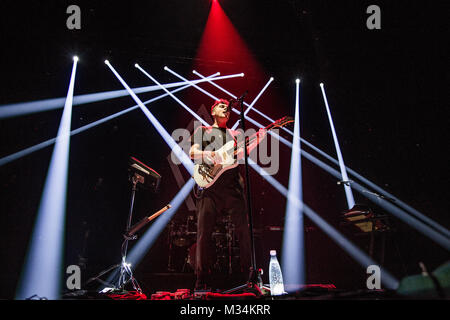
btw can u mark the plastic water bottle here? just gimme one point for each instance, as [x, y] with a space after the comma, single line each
[275, 276]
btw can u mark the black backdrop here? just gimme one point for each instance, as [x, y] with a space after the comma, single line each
[386, 89]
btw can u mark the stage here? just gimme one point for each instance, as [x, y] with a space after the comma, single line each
[333, 164]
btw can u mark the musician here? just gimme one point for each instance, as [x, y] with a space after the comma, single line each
[225, 196]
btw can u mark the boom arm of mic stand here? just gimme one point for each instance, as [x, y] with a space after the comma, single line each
[144, 221]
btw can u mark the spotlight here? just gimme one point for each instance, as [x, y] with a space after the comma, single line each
[136, 65]
[75, 58]
[396, 211]
[147, 240]
[175, 98]
[348, 189]
[271, 79]
[254, 101]
[39, 146]
[321, 84]
[293, 260]
[165, 68]
[106, 61]
[46, 252]
[185, 160]
[297, 80]
[242, 74]
[24, 108]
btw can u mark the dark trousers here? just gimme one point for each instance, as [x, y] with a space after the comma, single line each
[215, 202]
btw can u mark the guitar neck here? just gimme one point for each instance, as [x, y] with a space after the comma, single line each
[279, 123]
[252, 138]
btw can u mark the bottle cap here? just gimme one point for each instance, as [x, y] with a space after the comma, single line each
[273, 252]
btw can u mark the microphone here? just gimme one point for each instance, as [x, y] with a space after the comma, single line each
[243, 96]
[231, 103]
[346, 182]
[380, 196]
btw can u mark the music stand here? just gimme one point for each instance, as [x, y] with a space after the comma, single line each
[147, 178]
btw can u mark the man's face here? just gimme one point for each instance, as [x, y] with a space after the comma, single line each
[221, 111]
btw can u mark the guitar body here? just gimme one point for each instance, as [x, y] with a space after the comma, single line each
[206, 175]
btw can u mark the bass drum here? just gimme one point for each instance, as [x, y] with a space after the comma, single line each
[192, 256]
[180, 236]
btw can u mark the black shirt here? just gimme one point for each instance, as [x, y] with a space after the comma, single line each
[212, 139]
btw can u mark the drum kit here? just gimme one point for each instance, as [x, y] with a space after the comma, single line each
[182, 238]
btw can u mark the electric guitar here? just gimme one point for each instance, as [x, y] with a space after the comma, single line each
[205, 175]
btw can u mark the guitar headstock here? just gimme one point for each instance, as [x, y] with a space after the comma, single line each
[283, 121]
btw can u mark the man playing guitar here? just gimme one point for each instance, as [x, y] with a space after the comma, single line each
[225, 196]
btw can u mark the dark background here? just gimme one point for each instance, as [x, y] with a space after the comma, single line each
[386, 88]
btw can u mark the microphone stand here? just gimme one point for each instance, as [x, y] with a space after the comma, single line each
[254, 280]
[125, 268]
